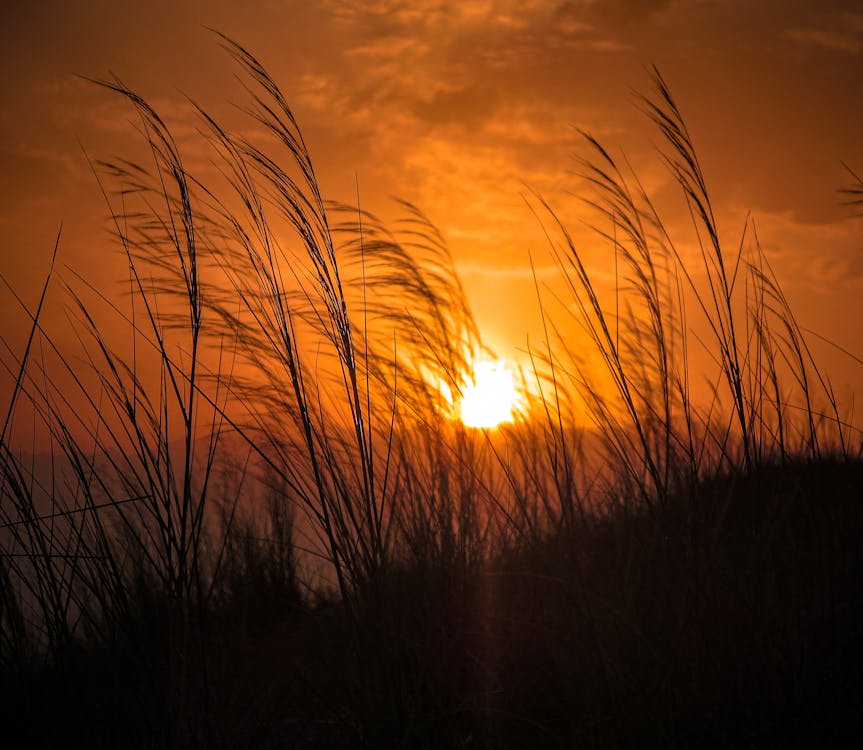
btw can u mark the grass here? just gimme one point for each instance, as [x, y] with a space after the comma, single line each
[260, 528]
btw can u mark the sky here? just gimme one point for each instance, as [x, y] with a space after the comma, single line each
[466, 109]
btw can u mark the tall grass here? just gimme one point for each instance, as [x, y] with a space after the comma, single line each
[770, 400]
[268, 440]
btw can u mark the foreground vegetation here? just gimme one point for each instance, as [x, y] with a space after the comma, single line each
[260, 527]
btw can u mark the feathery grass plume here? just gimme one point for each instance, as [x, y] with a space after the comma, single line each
[637, 347]
[345, 335]
[164, 234]
[419, 344]
[648, 419]
[325, 451]
[721, 271]
[418, 324]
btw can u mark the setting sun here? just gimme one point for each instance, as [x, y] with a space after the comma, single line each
[490, 398]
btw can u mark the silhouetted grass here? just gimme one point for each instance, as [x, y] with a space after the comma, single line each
[261, 527]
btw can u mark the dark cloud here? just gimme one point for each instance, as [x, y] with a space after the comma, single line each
[468, 106]
[630, 12]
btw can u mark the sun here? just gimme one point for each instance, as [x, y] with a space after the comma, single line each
[490, 397]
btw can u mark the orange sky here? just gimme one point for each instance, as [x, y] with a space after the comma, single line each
[462, 108]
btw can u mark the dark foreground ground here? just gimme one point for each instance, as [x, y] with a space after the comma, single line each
[731, 617]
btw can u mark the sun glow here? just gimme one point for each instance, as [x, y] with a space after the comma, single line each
[490, 398]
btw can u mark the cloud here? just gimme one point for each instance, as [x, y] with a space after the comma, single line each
[832, 41]
[822, 257]
[834, 32]
[484, 66]
[631, 12]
